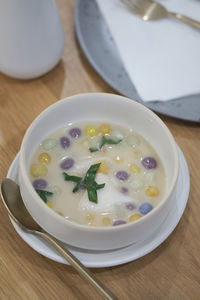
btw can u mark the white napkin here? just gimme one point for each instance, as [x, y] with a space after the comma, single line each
[162, 57]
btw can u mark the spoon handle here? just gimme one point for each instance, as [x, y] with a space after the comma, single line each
[80, 268]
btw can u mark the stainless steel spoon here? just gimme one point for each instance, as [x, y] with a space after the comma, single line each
[12, 200]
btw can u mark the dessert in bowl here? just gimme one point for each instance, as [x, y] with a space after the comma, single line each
[98, 171]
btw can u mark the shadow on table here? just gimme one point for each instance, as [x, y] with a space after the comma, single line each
[54, 80]
[91, 72]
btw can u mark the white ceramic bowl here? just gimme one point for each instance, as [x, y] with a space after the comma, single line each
[110, 108]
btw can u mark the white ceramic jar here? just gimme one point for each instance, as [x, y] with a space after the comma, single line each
[31, 37]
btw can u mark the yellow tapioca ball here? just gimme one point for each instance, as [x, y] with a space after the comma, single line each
[134, 168]
[134, 217]
[91, 130]
[49, 204]
[103, 168]
[44, 158]
[38, 170]
[105, 129]
[106, 221]
[152, 191]
[90, 218]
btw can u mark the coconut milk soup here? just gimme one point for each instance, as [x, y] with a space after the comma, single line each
[98, 174]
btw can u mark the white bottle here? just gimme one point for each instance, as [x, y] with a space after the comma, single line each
[31, 37]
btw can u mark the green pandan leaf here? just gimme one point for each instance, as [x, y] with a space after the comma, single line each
[103, 142]
[72, 178]
[88, 182]
[43, 194]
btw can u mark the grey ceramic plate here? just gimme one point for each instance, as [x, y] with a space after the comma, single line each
[99, 48]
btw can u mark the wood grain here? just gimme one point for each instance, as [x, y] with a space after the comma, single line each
[172, 271]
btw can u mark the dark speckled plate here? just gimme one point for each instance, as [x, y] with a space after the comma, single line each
[99, 48]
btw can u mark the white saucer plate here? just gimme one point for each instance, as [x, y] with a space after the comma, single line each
[100, 259]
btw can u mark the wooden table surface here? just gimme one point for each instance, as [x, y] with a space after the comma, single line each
[172, 271]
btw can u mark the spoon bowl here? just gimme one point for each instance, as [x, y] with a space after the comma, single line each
[14, 204]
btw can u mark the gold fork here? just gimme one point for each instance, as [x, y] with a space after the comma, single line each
[150, 10]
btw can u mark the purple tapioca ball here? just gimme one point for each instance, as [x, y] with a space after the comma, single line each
[119, 222]
[124, 190]
[130, 206]
[149, 163]
[40, 184]
[67, 163]
[122, 175]
[81, 185]
[64, 142]
[75, 132]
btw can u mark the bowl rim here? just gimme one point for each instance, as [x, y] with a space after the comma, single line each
[51, 212]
